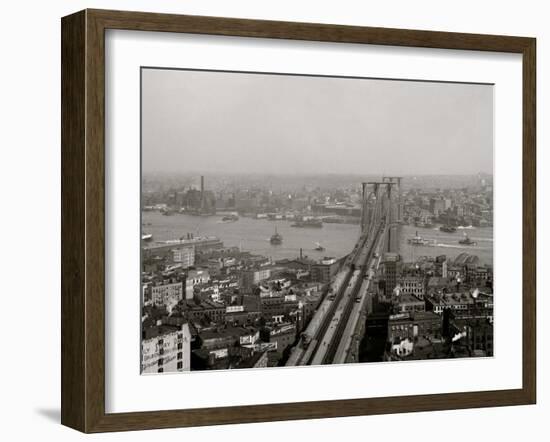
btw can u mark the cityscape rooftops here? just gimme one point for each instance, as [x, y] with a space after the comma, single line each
[407, 298]
[252, 361]
[414, 316]
[156, 331]
[205, 304]
[214, 333]
[460, 298]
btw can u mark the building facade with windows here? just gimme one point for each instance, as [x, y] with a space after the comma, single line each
[166, 294]
[184, 255]
[166, 349]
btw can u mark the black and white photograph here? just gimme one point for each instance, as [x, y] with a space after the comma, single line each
[293, 220]
[275, 221]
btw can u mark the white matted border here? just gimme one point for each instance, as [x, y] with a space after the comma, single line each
[126, 390]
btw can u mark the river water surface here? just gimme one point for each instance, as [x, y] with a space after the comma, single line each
[338, 239]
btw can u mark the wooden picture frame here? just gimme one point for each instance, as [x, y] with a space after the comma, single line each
[83, 220]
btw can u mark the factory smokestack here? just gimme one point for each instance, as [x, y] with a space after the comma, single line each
[202, 192]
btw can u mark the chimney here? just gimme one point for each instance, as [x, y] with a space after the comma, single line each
[300, 253]
[202, 192]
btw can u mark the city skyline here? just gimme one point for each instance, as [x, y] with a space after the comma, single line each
[259, 122]
[246, 278]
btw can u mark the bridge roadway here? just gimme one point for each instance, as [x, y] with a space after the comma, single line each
[358, 308]
[328, 336]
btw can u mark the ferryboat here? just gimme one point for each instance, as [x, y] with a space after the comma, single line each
[467, 241]
[276, 238]
[230, 218]
[315, 223]
[426, 224]
[447, 229]
[319, 247]
[417, 240]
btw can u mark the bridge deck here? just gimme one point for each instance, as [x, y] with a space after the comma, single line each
[346, 342]
[298, 355]
[330, 335]
[338, 315]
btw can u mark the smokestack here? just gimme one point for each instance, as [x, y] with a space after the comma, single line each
[300, 253]
[202, 192]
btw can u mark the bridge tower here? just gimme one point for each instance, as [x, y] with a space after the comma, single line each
[397, 181]
[370, 199]
[375, 202]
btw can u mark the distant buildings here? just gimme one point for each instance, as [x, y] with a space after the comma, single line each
[165, 248]
[439, 205]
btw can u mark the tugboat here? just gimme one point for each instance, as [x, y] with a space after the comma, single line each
[417, 240]
[467, 241]
[319, 247]
[276, 238]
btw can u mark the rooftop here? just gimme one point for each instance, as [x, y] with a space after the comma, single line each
[226, 331]
[406, 298]
[466, 258]
[158, 331]
[251, 361]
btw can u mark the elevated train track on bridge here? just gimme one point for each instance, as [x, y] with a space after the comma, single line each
[328, 337]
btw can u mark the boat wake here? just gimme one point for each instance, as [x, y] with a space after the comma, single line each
[450, 246]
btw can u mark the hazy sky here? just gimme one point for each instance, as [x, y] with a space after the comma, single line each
[235, 122]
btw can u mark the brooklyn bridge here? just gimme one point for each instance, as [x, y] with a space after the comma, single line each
[338, 326]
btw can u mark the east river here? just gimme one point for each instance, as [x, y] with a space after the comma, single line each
[447, 243]
[338, 239]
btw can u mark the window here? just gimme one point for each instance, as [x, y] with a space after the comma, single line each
[161, 370]
[180, 355]
[180, 365]
[180, 346]
[161, 361]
